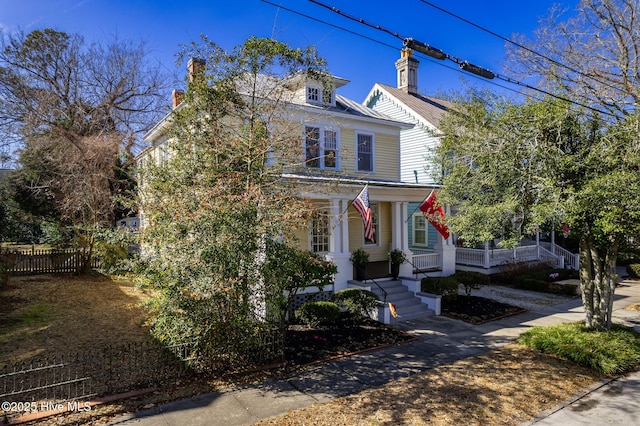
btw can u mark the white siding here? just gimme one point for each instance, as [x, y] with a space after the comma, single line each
[416, 144]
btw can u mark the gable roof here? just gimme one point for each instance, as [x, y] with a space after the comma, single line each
[427, 108]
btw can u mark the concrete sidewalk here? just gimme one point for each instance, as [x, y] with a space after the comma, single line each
[441, 341]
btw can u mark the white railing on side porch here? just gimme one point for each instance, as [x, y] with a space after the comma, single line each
[471, 257]
[423, 260]
[493, 257]
[571, 260]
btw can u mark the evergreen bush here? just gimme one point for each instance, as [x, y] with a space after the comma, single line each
[471, 280]
[633, 269]
[443, 286]
[316, 313]
[358, 302]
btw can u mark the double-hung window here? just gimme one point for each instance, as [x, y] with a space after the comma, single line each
[321, 147]
[365, 152]
[420, 230]
[163, 153]
[320, 232]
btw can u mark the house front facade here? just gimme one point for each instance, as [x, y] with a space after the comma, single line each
[344, 146]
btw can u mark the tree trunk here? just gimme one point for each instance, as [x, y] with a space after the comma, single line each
[598, 280]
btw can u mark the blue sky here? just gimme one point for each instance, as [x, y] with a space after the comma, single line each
[164, 25]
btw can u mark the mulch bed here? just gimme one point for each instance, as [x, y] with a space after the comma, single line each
[477, 310]
[306, 345]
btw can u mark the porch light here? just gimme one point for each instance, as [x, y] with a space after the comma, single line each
[474, 69]
[424, 48]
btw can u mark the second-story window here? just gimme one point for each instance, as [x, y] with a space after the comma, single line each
[365, 152]
[321, 148]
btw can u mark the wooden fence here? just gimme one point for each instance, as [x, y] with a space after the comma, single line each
[45, 261]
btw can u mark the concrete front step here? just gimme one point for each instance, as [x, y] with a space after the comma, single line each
[407, 304]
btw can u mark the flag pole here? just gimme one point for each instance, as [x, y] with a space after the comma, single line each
[351, 201]
[414, 210]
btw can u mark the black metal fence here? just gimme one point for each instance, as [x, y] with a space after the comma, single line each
[117, 370]
[45, 261]
[83, 375]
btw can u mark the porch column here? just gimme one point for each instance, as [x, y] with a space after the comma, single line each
[447, 250]
[400, 233]
[399, 228]
[339, 243]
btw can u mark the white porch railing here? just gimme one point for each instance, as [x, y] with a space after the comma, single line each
[570, 259]
[471, 257]
[425, 260]
[493, 257]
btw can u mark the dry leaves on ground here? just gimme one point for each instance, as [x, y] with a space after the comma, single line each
[50, 315]
[505, 386]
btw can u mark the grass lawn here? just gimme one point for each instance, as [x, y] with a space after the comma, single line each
[45, 315]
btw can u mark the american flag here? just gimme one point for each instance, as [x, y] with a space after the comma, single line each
[361, 204]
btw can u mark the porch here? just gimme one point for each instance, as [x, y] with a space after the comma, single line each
[492, 258]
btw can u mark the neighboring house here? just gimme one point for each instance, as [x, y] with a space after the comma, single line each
[346, 145]
[417, 143]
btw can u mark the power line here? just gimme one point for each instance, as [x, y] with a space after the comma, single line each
[508, 40]
[464, 65]
[385, 44]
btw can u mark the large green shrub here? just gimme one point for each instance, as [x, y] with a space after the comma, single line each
[317, 313]
[471, 280]
[443, 286]
[633, 269]
[358, 302]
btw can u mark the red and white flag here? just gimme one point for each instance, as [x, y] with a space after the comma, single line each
[361, 204]
[392, 310]
[433, 212]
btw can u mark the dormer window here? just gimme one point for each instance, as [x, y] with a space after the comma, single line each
[313, 94]
[317, 96]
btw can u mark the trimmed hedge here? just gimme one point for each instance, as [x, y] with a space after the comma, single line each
[316, 313]
[357, 301]
[443, 286]
[471, 280]
[633, 269]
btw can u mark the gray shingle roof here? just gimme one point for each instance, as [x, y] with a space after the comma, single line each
[429, 108]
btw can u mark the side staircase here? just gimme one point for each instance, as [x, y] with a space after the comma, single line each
[407, 304]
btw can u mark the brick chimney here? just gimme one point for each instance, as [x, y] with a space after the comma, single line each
[177, 96]
[196, 68]
[407, 67]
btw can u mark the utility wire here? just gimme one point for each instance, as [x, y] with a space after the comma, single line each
[358, 20]
[465, 65]
[390, 45]
[508, 40]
